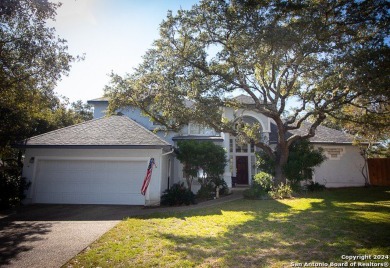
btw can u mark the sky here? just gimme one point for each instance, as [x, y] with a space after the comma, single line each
[113, 35]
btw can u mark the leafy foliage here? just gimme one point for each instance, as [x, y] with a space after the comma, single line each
[256, 192]
[208, 189]
[209, 157]
[264, 180]
[32, 59]
[177, 195]
[300, 164]
[264, 187]
[301, 161]
[319, 55]
[281, 191]
[12, 186]
[315, 186]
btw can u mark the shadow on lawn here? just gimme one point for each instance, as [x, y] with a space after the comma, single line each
[322, 232]
[16, 237]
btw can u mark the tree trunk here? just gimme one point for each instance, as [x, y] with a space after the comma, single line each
[280, 161]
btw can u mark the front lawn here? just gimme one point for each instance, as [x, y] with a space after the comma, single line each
[319, 227]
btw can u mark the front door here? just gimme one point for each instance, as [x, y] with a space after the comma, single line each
[242, 169]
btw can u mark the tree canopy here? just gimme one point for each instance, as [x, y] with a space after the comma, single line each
[32, 60]
[206, 156]
[300, 61]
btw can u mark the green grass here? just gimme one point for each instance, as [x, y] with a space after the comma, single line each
[318, 227]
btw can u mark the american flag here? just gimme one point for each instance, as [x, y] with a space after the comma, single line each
[148, 176]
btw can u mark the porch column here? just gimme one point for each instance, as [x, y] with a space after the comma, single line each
[227, 176]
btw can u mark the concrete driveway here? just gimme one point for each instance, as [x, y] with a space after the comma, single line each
[50, 235]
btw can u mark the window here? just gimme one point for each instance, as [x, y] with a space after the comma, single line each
[201, 173]
[195, 129]
[231, 145]
[242, 149]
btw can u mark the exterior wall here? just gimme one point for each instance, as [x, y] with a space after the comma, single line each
[227, 176]
[232, 114]
[99, 109]
[343, 169]
[230, 170]
[341, 172]
[152, 196]
[166, 172]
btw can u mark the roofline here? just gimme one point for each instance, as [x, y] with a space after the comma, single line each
[95, 101]
[43, 146]
[23, 144]
[60, 129]
[199, 138]
[326, 142]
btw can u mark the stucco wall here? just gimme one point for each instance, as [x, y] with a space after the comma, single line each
[166, 171]
[232, 114]
[99, 109]
[344, 170]
[153, 194]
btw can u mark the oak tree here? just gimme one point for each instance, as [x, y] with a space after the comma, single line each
[32, 60]
[299, 61]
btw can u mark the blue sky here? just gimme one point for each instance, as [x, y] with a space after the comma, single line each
[113, 34]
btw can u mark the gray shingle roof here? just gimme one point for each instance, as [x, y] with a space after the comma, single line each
[244, 99]
[106, 131]
[323, 134]
[101, 99]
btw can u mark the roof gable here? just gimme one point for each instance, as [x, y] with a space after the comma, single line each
[106, 131]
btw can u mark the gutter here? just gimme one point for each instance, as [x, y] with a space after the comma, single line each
[22, 146]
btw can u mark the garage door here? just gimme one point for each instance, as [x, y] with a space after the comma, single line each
[89, 182]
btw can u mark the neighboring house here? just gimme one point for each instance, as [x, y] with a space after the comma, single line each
[104, 161]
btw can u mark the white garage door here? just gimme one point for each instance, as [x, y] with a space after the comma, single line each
[89, 182]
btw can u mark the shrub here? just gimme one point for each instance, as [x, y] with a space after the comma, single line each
[281, 191]
[302, 159]
[208, 188]
[206, 191]
[12, 188]
[264, 180]
[177, 195]
[315, 187]
[263, 188]
[255, 192]
[195, 155]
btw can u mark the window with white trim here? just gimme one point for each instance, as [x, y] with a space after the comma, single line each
[195, 129]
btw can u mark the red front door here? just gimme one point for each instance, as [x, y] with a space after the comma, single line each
[242, 169]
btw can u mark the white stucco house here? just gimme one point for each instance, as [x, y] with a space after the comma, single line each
[104, 161]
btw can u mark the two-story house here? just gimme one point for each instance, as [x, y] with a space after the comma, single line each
[104, 161]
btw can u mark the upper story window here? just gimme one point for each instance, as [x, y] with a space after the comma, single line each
[235, 147]
[195, 129]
